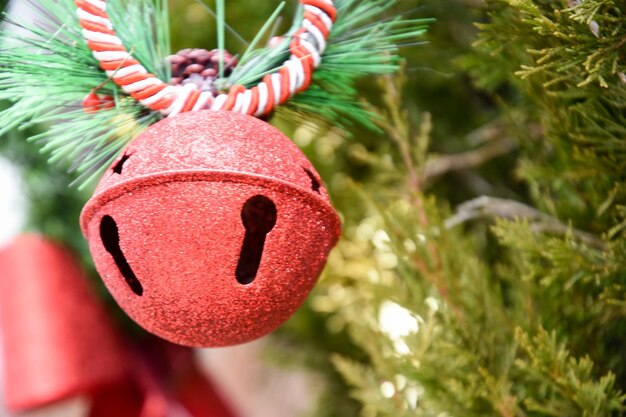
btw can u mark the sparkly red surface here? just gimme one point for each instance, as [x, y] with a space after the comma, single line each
[57, 339]
[177, 205]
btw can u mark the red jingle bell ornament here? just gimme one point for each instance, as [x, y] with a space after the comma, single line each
[211, 228]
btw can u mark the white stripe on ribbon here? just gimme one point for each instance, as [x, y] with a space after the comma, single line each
[92, 18]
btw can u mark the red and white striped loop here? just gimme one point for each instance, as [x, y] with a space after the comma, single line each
[307, 47]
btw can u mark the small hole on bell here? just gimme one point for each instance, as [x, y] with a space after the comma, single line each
[110, 236]
[120, 164]
[315, 184]
[259, 218]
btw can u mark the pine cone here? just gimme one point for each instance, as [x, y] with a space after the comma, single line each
[200, 67]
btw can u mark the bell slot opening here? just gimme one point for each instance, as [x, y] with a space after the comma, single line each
[259, 218]
[315, 183]
[110, 236]
[117, 169]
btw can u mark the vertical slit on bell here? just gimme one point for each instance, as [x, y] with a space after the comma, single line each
[250, 258]
[110, 236]
[120, 164]
[315, 183]
[259, 218]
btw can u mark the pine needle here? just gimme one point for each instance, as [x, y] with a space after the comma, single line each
[261, 33]
[228, 27]
[221, 36]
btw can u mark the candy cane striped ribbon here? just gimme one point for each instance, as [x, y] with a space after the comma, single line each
[306, 48]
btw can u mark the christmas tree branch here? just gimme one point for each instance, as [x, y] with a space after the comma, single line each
[441, 165]
[485, 207]
[60, 71]
[412, 149]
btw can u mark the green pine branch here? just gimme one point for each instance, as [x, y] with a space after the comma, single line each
[364, 42]
[452, 321]
[48, 72]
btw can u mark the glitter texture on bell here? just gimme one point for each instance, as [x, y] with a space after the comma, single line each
[210, 229]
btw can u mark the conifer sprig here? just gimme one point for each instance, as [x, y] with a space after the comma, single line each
[364, 41]
[568, 60]
[46, 70]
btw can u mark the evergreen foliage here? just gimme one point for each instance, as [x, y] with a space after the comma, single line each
[521, 316]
